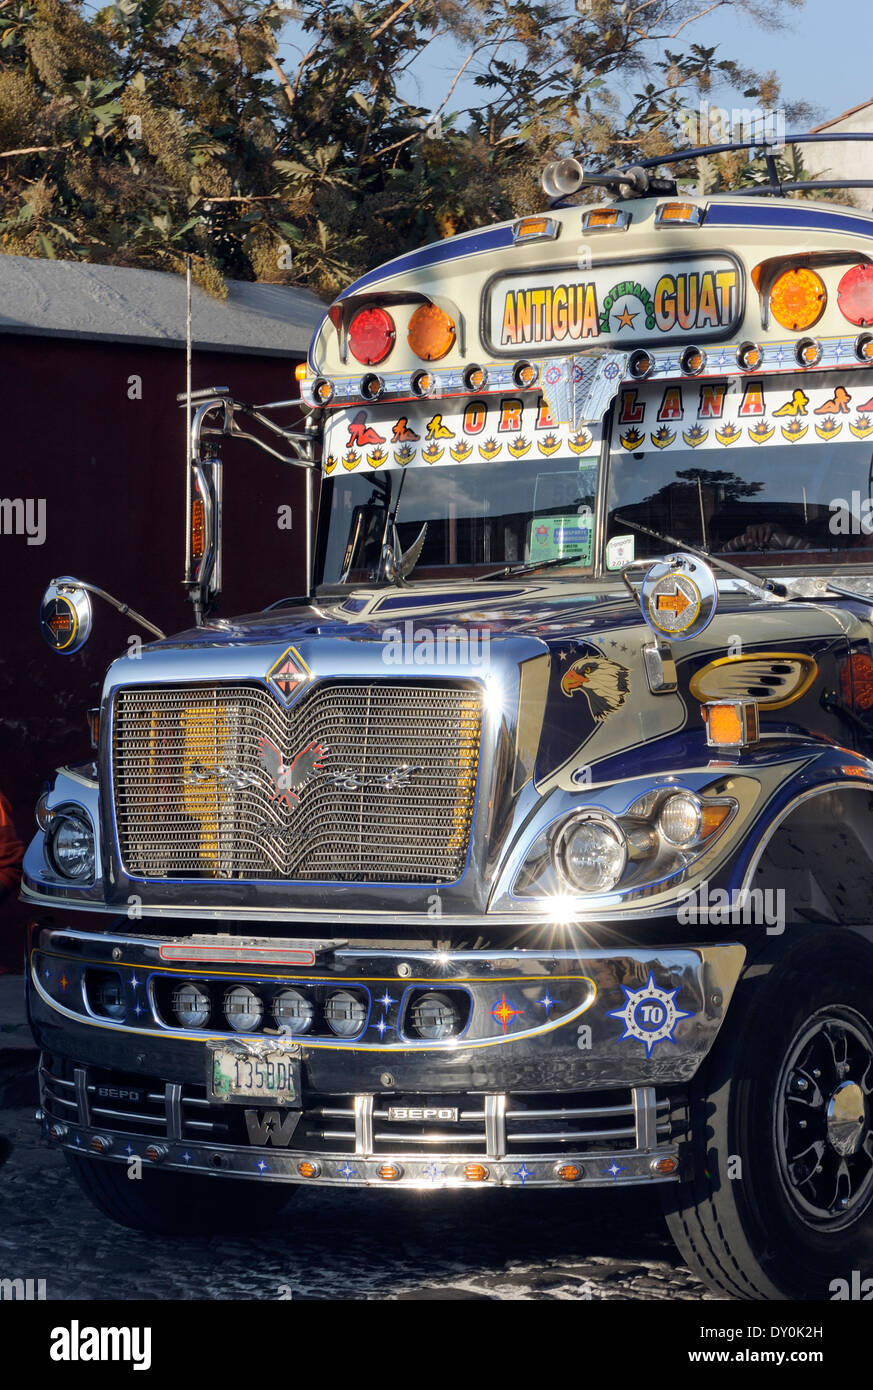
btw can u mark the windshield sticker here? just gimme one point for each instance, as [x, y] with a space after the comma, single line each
[427, 435]
[714, 416]
[675, 300]
[552, 537]
[619, 552]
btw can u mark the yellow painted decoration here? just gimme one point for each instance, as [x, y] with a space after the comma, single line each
[760, 433]
[580, 442]
[490, 449]
[794, 432]
[633, 439]
[549, 445]
[663, 438]
[729, 435]
[519, 447]
[351, 460]
[695, 436]
[461, 451]
[862, 427]
[431, 454]
[829, 428]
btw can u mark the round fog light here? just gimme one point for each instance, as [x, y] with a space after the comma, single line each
[345, 1014]
[590, 854]
[681, 819]
[434, 1016]
[191, 1005]
[292, 1008]
[242, 1009]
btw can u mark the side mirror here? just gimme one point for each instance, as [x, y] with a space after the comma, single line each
[65, 616]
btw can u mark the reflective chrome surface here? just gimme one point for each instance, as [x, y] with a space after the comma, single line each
[355, 782]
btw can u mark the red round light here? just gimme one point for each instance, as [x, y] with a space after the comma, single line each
[855, 295]
[371, 336]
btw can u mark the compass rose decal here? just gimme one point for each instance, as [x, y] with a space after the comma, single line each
[649, 1014]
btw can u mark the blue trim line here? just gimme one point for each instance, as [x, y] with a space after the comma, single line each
[453, 249]
[798, 216]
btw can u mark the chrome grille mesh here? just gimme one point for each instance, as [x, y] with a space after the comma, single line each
[382, 791]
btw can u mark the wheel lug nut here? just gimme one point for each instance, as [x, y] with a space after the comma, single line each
[802, 1124]
[816, 1073]
[801, 1084]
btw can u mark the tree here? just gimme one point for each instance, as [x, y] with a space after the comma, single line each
[148, 129]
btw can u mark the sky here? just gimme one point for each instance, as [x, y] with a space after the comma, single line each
[824, 58]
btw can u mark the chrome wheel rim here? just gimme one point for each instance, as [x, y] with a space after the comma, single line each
[822, 1119]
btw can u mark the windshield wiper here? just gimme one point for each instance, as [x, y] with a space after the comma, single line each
[771, 586]
[528, 568]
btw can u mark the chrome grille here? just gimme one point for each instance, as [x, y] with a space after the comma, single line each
[197, 795]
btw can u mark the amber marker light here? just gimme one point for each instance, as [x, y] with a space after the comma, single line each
[664, 1166]
[689, 214]
[390, 1172]
[808, 352]
[641, 364]
[693, 361]
[749, 357]
[431, 332]
[568, 1172]
[475, 377]
[422, 383]
[476, 1172]
[308, 1170]
[300, 371]
[198, 521]
[798, 299]
[322, 390]
[525, 374]
[864, 348]
[731, 723]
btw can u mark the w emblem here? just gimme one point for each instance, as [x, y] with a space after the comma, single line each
[272, 1127]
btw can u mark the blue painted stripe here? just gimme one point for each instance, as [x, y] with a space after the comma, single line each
[453, 249]
[796, 216]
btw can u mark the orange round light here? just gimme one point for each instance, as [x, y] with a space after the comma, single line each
[431, 333]
[798, 299]
[390, 1172]
[475, 1172]
[568, 1172]
[749, 357]
[307, 1169]
[665, 1165]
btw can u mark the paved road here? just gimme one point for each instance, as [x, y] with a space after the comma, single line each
[328, 1244]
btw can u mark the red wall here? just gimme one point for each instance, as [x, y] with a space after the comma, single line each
[112, 472]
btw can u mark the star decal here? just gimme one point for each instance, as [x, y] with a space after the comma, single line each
[780, 354]
[523, 1173]
[504, 1012]
[134, 981]
[138, 1009]
[262, 1167]
[649, 1014]
[547, 1002]
[614, 1170]
[382, 1027]
[128, 1150]
[723, 357]
[64, 983]
[433, 1171]
[186, 1156]
[347, 1171]
[386, 1001]
[78, 1142]
[626, 318]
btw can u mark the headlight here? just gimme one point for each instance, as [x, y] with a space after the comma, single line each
[191, 1006]
[681, 819]
[292, 1008]
[590, 854]
[69, 846]
[433, 1016]
[242, 1009]
[345, 1014]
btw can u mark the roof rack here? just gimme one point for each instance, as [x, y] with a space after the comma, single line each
[567, 176]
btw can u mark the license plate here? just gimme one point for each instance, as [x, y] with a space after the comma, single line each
[238, 1074]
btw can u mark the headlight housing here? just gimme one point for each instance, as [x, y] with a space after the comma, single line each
[590, 851]
[69, 845]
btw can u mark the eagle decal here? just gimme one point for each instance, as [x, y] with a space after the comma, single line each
[605, 684]
[285, 779]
